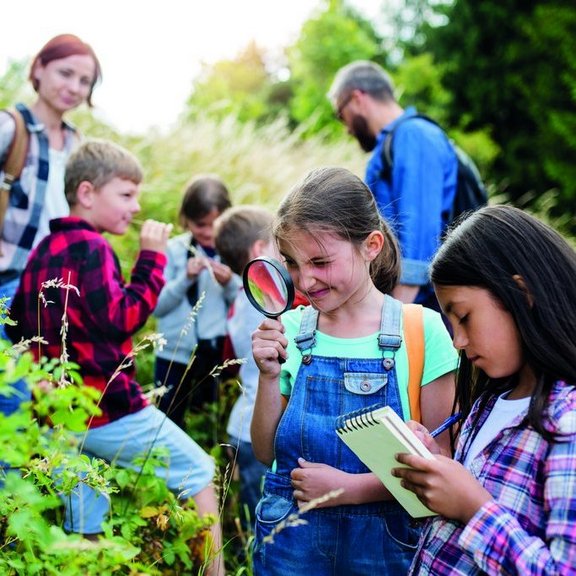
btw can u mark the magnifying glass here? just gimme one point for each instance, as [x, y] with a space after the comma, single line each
[268, 286]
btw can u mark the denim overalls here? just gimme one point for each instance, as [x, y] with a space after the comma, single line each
[372, 539]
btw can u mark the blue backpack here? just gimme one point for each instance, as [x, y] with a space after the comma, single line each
[470, 194]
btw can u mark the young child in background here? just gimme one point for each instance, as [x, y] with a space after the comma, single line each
[194, 270]
[102, 184]
[244, 233]
[342, 353]
[507, 283]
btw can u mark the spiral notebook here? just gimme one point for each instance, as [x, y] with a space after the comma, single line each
[375, 435]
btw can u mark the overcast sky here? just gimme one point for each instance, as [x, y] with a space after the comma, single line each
[150, 51]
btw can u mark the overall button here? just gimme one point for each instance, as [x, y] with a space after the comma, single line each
[388, 363]
[365, 382]
[365, 386]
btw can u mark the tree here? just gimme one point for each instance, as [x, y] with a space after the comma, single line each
[15, 88]
[252, 88]
[509, 65]
[239, 86]
[336, 36]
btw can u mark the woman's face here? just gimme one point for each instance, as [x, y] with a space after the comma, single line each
[64, 84]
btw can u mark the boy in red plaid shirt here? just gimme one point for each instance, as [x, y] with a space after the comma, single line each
[103, 312]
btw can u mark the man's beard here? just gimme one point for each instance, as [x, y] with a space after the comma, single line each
[362, 133]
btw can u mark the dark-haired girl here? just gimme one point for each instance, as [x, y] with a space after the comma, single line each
[507, 502]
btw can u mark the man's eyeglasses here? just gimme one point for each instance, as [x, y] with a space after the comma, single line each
[342, 106]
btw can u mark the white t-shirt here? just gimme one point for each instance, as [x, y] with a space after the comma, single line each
[502, 414]
[55, 204]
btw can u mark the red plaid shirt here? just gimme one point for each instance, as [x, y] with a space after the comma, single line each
[102, 316]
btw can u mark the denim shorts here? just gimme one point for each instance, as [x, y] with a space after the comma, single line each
[190, 469]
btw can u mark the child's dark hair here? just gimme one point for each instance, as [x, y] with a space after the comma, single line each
[336, 201]
[237, 230]
[202, 195]
[491, 249]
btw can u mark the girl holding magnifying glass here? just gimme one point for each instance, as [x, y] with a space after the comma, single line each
[340, 354]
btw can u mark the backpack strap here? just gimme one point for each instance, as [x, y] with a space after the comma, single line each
[16, 156]
[387, 153]
[15, 159]
[414, 339]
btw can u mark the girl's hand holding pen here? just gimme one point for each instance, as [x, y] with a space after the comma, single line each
[424, 435]
[442, 484]
[427, 437]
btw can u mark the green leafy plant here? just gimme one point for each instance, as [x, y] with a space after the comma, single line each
[149, 531]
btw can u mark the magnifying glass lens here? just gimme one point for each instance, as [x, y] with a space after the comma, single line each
[268, 286]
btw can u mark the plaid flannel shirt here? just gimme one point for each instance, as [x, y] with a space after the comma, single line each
[102, 314]
[530, 526]
[28, 193]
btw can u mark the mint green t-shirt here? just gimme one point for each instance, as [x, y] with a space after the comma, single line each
[440, 357]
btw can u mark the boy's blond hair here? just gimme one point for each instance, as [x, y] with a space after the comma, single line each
[237, 229]
[98, 162]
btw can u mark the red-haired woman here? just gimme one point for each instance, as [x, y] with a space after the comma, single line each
[63, 74]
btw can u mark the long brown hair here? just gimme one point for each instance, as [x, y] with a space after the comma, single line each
[490, 249]
[336, 201]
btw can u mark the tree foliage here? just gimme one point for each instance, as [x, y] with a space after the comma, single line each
[237, 86]
[14, 87]
[509, 66]
[327, 41]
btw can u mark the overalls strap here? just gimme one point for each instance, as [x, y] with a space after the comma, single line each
[389, 338]
[306, 337]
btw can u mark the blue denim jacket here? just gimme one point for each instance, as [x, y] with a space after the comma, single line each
[417, 200]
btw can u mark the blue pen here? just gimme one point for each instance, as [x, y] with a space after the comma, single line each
[446, 424]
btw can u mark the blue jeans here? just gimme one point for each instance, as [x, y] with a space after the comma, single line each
[339, 541]
[8, 290]
[10, 403]
[18, 391]
[189, 469]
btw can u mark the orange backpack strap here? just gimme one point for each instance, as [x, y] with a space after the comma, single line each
[414, 338]
[14, 162]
